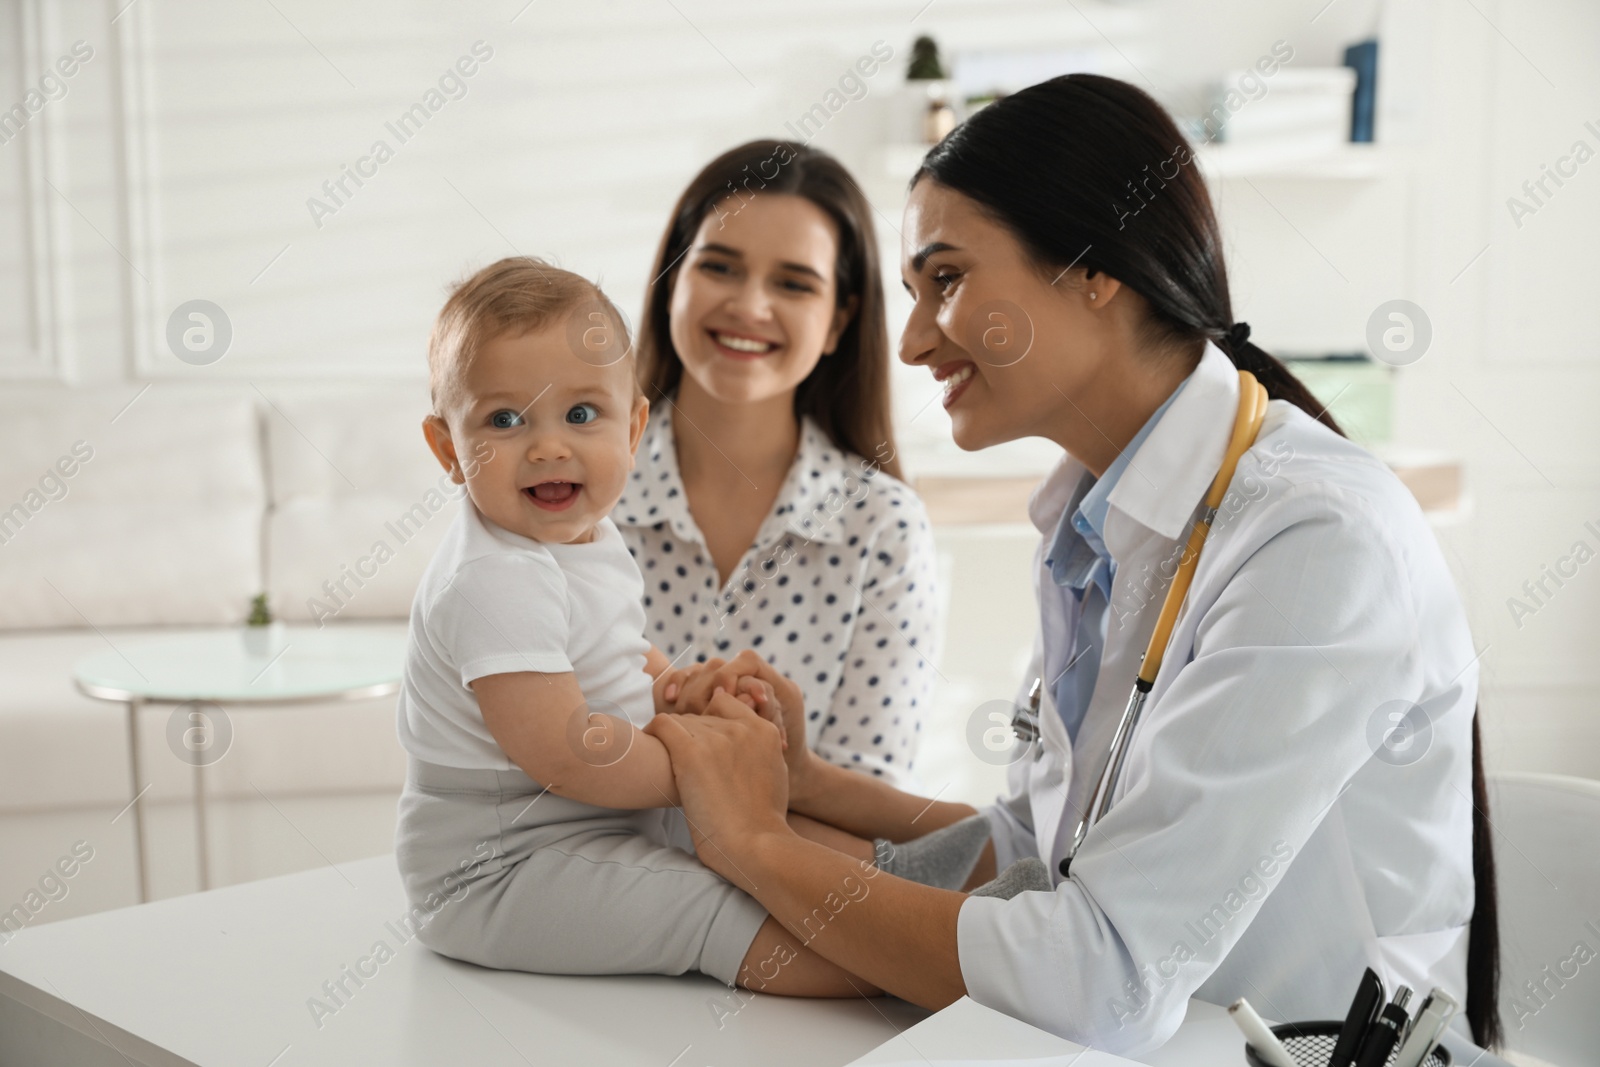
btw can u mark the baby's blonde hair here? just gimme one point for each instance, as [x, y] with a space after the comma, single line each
[512, 296]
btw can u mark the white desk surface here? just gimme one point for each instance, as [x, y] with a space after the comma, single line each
[224, 978]
[968, 1033]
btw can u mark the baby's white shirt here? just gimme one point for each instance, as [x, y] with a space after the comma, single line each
[495, 602]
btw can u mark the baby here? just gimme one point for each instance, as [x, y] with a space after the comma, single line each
[537, 826]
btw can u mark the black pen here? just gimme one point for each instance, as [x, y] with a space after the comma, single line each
[1363, 1009]
[1385, 1031]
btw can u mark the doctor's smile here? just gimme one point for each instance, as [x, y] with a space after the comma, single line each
[584, 482]
[955, 376]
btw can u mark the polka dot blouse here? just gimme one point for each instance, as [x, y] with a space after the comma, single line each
[836, 592]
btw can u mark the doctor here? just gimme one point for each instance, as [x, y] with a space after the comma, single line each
[1297, 801]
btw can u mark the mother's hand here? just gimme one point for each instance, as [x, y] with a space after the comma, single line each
[734, 785]
[790, 712]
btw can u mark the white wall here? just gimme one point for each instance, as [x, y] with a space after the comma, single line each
[179, 164]
[1514, 380]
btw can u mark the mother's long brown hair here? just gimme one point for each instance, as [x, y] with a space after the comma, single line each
[847, 394]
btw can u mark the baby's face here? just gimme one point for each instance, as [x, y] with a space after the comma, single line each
[545, 439]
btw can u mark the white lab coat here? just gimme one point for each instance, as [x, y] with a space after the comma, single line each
[1264, 840]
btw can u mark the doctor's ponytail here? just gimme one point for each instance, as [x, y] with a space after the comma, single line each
[1091, 172]
[1280, 382]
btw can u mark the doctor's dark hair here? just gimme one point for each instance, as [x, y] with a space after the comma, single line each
[1090, 171]
[847, 393]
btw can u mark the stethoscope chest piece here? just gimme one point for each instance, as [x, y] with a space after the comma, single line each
[1025, 719]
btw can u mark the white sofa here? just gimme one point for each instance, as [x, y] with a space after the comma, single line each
[178, 506]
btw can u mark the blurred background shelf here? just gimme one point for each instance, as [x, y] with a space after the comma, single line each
[1287, 159]
[955, 499]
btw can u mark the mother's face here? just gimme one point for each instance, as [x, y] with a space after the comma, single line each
[1013, 347]
[754, 302]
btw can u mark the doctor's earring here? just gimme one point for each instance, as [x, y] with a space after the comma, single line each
[1094, 296]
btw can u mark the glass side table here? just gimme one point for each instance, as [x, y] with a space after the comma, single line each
[240, 667]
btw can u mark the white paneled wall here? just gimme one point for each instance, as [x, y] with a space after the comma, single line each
[30, 78]
[1514, 377]
[248, 132]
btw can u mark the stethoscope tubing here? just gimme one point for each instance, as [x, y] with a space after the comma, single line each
[1246, 426]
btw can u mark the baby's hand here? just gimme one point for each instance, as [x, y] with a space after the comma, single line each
[691, 693]
[669, 684]
[671, 693]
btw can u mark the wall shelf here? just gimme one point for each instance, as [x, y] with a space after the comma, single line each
[1342, 162]
[973, 492]
[897, 161]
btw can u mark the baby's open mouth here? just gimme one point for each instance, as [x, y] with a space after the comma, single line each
[554, 496]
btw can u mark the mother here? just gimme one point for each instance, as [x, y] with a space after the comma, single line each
[1269, 838]
[765, 508]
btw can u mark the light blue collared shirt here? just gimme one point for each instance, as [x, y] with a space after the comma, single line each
[1078, 556]
[1078, 552]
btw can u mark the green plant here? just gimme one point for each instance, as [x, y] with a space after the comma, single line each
[924, 65]
[260, 614]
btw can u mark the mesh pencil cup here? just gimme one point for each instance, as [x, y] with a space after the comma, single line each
[1310, 1044]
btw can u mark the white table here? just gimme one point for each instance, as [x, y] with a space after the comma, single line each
[224, 979]
[968, 1032]
[239, 667]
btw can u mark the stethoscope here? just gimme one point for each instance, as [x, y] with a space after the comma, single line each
[1025, 721]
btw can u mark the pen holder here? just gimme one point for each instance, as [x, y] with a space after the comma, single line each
[1312, 1043]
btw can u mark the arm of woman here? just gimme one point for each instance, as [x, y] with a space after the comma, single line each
[898, 935]
[885, 691]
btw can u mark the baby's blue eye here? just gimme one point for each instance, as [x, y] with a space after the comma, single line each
[579, 414]
[505, 419]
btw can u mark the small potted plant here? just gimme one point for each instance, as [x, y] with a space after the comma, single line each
[926, 70]
[924, 65]
[262, 634]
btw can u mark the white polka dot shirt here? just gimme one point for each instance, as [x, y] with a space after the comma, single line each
[836, 592]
